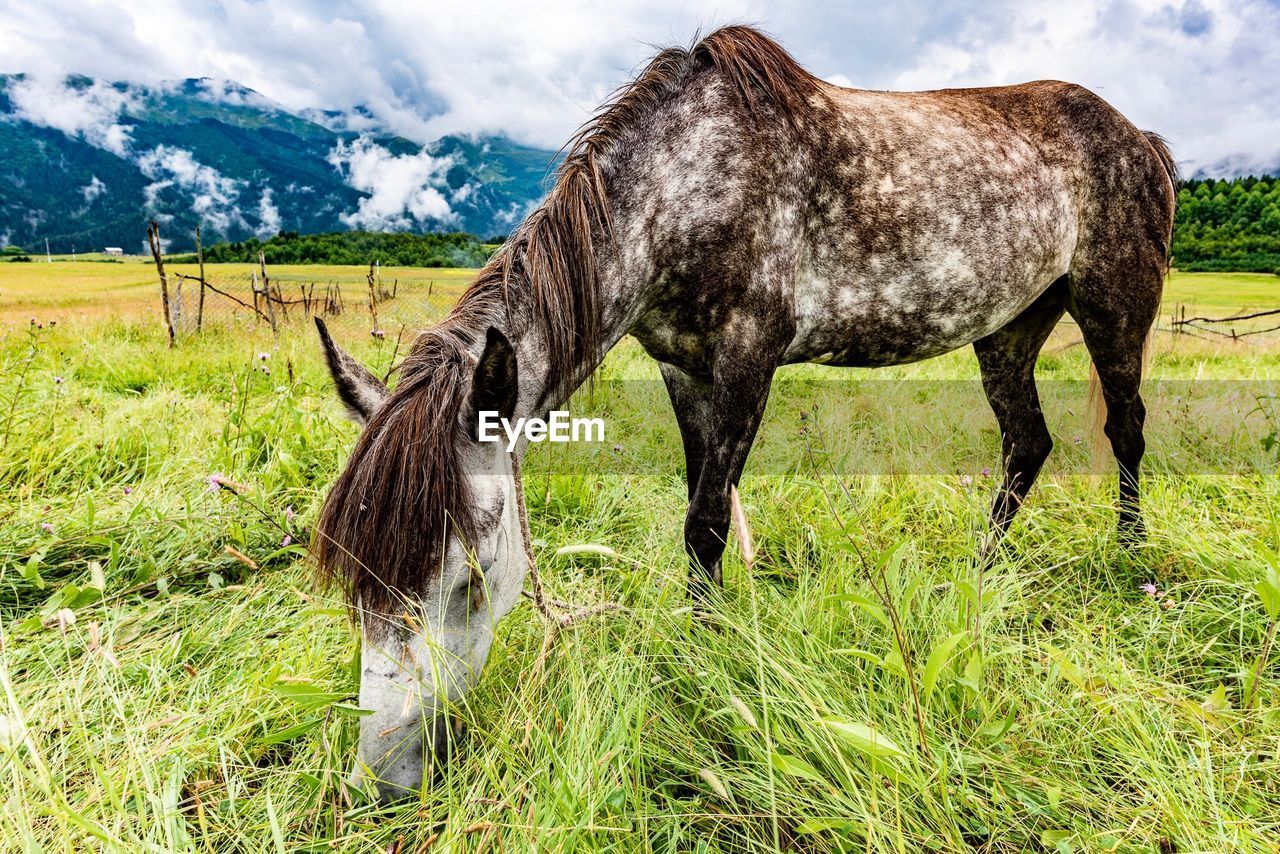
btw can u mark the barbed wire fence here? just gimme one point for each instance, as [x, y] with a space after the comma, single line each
[348, 298]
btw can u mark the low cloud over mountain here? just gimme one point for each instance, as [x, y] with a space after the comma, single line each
[88, 162]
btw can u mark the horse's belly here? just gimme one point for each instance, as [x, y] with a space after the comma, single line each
[894, 316]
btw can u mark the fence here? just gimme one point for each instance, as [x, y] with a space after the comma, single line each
[255, 295]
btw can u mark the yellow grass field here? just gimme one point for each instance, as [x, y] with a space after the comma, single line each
[67, 291]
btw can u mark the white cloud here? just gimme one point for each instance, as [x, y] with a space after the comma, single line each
[1203, 74]
[231, 92]
[91, 112]
[268, 215]
[1202, 71]
[402, 187]
[214, 196]
[93, 189]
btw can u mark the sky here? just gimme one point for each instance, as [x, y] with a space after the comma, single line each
[1204, 73]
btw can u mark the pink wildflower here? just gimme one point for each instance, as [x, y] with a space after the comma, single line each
[1149, 589]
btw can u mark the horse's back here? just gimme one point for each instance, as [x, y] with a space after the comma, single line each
[939, 216]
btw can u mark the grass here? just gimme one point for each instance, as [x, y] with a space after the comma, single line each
[85, 292]
[157, 693]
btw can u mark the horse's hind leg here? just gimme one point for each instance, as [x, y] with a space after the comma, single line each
[1115, 307]
[1007, 358]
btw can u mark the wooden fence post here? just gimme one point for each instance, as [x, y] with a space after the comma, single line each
[266, 291]
[153, 237]
[373, 295]
[200, 259]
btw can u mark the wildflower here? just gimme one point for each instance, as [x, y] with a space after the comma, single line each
[378, 333]
[966, 480]
[47, 527]
[1076, 440]
[288, 513]
[265, 369]
[219, 481]
[58, 380]
[1149, 589]
[264, 356]
[128, 490]
[286, 541]
[986, 472]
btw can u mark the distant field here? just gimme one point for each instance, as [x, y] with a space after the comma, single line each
[129, 289]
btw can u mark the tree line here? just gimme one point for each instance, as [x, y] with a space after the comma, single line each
[1228, 225]
[399, 249]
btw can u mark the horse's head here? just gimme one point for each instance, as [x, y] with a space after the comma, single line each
[423, 530]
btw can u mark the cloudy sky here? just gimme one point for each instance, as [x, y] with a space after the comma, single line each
[1206, 73]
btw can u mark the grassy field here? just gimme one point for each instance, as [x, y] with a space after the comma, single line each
[80, 291]
[159, 693]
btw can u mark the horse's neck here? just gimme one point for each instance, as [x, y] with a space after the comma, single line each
[618, 301]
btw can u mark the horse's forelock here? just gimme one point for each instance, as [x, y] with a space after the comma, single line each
[384, 526]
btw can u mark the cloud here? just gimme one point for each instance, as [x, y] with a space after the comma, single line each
[1202, 74]
[90, 111]
[232, 93]
[92, 190]
[214, 197]
[1201, 71]
[403, 188]
[268, 215]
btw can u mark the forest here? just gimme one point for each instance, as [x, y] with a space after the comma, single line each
[399, 249]
[1228, 226]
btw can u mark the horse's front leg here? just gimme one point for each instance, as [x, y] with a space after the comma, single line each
[741, 377]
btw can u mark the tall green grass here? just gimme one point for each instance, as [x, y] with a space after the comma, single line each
[158, 693]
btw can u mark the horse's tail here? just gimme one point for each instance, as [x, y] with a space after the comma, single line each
[1097, 405]
[1161, 146]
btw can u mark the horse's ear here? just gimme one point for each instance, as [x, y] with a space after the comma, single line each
[495, 386]
[360, 390]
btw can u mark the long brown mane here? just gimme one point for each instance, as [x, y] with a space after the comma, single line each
[386, 520]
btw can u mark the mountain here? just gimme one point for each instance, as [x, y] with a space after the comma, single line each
[86, 163]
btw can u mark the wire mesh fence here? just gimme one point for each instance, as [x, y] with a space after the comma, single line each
[198, 296]
[344, 298]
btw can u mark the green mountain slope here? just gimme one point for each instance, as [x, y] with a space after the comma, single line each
[216, 153]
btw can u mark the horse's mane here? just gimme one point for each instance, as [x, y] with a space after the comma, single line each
[386, 519]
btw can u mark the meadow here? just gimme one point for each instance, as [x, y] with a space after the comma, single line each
[173, 679]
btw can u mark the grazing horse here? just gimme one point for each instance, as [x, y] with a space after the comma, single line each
[734, 213]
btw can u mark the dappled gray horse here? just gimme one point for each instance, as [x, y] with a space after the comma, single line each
[734, 213]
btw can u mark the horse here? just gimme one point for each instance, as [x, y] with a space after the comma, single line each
[734, 213]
